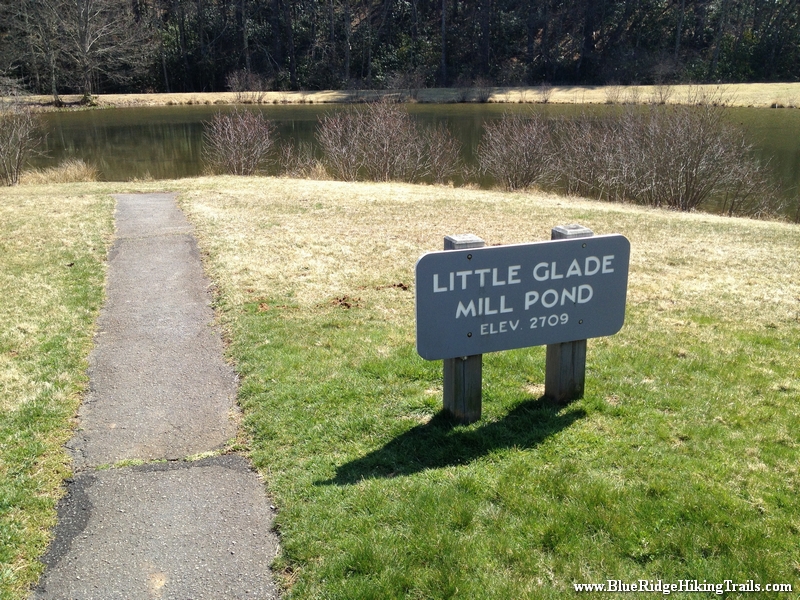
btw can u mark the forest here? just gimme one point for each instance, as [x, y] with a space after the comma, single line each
[109, 46]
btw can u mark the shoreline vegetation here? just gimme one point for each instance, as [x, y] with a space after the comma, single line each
[756, 95]
[682, 154]
[678, 156]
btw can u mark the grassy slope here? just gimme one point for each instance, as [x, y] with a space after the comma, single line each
[680, 462]
[52, 252]
[739, 94]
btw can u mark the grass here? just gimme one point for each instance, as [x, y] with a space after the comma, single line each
[737, 94]
[73, 170]
[52, 251]
[679, 463]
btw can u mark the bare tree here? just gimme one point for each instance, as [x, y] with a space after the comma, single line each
[19, 138]
[36, 41]
[104, 37]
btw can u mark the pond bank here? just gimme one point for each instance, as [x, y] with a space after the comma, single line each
[775, 95]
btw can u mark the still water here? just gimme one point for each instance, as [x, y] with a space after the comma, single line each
[166, 142]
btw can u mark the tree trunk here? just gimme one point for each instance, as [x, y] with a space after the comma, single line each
[166, 72]
[587, 37]
[201, 35]
[485, 26]
[369, 46]
[84, 47]
[546, 40]
[287, 17]
[331, 33]
[531, 23]
[679, 29]
[348, 22]
[712, 70]
[444, 43]
[244, 34]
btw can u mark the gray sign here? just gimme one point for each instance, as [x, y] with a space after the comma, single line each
[503, 297]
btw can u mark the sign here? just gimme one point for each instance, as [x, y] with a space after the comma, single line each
[483, 300]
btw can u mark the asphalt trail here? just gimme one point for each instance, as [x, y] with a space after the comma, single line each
[159, 392]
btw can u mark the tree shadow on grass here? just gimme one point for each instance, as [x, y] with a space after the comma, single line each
[440, 443]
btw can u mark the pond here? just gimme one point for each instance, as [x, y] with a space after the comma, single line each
[166, 142]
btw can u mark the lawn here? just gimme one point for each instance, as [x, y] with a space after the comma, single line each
[680, 463]
[53, 243]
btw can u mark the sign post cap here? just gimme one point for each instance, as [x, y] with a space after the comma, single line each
[573, 230]
[463, 241]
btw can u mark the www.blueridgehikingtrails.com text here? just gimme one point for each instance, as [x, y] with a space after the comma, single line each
[684, 585]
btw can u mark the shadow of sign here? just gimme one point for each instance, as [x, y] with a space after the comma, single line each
[438, 443]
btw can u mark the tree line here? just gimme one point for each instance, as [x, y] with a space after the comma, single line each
[104, 46]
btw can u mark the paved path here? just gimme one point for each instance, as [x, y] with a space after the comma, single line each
[159, 389]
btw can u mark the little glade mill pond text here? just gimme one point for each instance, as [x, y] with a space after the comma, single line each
[498, 298]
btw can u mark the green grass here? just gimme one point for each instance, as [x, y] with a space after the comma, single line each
[52, 248]
[672, 466]
[681, 461]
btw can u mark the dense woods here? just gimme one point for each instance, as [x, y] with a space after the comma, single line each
[96, 46]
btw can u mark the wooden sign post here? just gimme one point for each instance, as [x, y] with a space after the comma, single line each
[565, 363]
[463, 375]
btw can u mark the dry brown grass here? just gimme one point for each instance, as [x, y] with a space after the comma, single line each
[706, 293]
[737, 94]
[313, 241]
[310, 243]
[73, 170]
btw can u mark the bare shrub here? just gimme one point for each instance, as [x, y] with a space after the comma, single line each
[750, 187]
[410, 81]
[516, 150]
[248, 87]
[678, 157]
[633, 95]
[613, 93]
[392, 147]
[443, 152]
[662, 93]
[381, 142]
[238, 143]
[10, 86]
[482, 89]
[72, 170]
[693, 95]
[584, 154]
[300, 161]
[544, 90]
[674, 157]
[704, 95]
[20, 137]
[339, 136]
